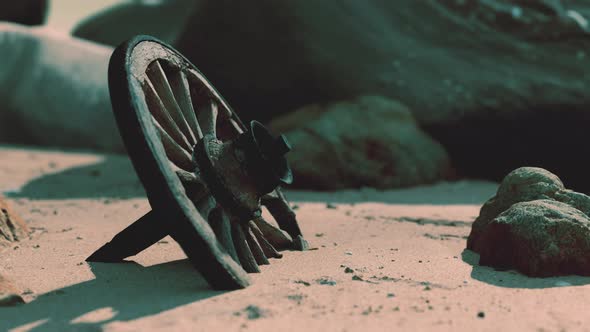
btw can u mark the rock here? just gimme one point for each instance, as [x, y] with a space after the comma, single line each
[53, 90]
[522, 185]
[12, 227]
[536, 20]
[540, 238]
[535, 225]
[28, 12]
[9, 294]
[499, 83]
[369, 141]
[112, 26]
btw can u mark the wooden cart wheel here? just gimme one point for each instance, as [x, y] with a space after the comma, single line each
[206, 174]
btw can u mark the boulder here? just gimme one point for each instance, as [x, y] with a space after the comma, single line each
[114, 25]
[497, 82]
[368, 141]
[53, 90]
[540, 238]
[535, 225]
[12, 227]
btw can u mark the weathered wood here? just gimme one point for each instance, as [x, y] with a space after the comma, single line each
[276, 236]
[279, 207]
[221, 224]
[181, 88]
[207, 115]
[244, 253]
[198, 192]
[162, 115]
[146, 231]
[255, 248]
[267, 248]
[160, 81]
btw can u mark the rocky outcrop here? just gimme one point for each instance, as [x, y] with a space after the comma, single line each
[499, 83]
[534, 225]
[53, 90]
[114, 25]
[12, 227]
[369, 141]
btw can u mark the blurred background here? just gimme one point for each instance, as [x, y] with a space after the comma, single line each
[66, 14]
[377, 93]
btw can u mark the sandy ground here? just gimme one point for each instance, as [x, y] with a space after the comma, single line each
[404, 249]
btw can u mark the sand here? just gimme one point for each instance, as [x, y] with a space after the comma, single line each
[404, 250]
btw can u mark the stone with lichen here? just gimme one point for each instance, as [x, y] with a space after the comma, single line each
[535, 225]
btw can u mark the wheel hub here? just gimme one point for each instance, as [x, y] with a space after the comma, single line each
[240, 172]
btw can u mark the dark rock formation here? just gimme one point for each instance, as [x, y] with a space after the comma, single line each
[12, 227]
[539, 238]
[27, 12]
[112, 26]
[369, 141]
[499, 83]
[534, 225]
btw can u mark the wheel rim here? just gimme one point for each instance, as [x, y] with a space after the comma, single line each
[165, 108]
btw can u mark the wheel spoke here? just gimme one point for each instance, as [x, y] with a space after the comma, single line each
[257, 251]
[236, 126]
[181, 88]
[175, 153]
[267, 248]
[221, 224]
[207, 115]
[160, 82]
[243, 249]
[279, 208]
[194, 186]
[277, 237]
[162, 116]
[185, 177]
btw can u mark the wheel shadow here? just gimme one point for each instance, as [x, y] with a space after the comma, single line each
[514, 279]
[122, 292]
[113, 177]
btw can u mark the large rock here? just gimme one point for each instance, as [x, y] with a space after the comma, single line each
[28, 12]
[499, 83]
[12, 227]
[539, 238]
[161, 19]
[370, 141]
[53, 90]
[522, 185]
[535, 225]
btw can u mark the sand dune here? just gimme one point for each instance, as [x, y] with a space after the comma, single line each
[404, 250]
